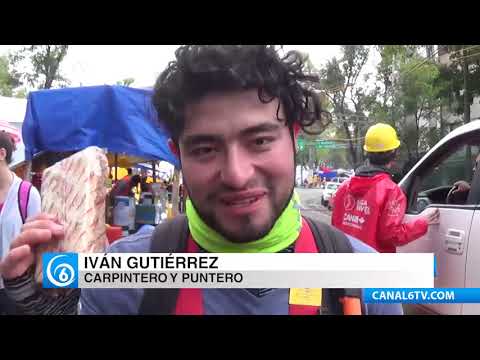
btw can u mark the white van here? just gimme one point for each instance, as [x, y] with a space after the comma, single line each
[456, 240]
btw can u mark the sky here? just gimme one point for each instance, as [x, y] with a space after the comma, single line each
[106, 64]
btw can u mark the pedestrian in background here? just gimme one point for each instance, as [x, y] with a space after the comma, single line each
[18, 200]
[370, 206]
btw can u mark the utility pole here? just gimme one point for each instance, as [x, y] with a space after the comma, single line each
[466, 112]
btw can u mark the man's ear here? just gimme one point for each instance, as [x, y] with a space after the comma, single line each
[174, 148]
[296, 129]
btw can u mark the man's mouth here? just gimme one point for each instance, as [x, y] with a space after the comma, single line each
[242, 199]
[242, 202]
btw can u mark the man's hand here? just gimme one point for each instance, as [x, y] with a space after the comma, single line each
[41, 229]
[461, 186]
[432, 216]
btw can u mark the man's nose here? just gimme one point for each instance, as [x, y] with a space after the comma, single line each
[237, 169]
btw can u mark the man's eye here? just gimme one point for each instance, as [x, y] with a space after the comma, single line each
[202, 151]
[263, 141]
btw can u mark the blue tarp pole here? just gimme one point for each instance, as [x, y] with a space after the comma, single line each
[154, 171]
[116, 167]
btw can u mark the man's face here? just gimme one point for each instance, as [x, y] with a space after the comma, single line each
[476, 164]
[3, 156]
[238, 163]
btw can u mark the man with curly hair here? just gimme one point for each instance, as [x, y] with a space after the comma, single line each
[233, 113]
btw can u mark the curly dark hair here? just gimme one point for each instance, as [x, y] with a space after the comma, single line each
[202, 69]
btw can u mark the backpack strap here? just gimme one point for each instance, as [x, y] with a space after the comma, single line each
[190, 301]
[169, 237]
[23, 197]
[331, 240]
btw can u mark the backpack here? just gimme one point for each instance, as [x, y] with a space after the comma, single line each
[23, 197]
[171, 237]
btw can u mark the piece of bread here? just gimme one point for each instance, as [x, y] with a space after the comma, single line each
[74, 191]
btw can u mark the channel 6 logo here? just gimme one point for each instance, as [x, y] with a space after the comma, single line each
[60, 270]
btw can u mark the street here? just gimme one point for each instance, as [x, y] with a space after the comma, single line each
[310, 201]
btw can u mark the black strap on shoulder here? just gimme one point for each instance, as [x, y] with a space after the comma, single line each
[331, 240]
[169, 237]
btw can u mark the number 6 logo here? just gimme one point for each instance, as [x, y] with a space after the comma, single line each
[63, 274]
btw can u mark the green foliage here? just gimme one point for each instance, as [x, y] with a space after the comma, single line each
[126, 82]
[408, 95]
[7, 81]
[349, 99]
[38, 66]
[21, 93]
[464, 69]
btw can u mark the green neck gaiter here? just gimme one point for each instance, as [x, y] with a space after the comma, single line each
[283, 234]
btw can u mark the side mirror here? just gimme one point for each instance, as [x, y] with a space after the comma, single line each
[422, 203]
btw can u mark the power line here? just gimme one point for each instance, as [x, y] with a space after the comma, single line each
[417, 66]
[465, 57]
[461, 50]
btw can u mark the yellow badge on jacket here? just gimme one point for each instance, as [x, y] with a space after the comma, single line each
[305, 296]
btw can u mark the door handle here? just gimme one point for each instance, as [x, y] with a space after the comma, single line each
[454, 241]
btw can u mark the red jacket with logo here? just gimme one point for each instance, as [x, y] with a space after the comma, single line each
[371, 208]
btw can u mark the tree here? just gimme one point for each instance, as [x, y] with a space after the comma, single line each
[126, 82]
[465, 65]
[409, 94]
[21, 93]
[39, 65]
[7, 81]
[463, 75]
[418, 99]
[347, 97]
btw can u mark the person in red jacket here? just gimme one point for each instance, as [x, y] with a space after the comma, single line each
[370, 206]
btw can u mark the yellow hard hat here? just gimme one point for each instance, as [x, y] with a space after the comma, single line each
[381, 137]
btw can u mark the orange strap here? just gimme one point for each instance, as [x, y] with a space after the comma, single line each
[351, 306]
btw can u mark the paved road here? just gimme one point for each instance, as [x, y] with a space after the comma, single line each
[310, 200]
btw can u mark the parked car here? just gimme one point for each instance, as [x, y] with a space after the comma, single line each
[339, 179]
[327, 193]
[455, 241]
[336, 180]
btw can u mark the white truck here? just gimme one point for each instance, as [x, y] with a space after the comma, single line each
[456, 240]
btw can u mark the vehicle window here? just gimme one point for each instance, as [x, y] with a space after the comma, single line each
[457, 166]
[436, 183]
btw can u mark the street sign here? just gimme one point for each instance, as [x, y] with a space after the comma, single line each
[321, 144]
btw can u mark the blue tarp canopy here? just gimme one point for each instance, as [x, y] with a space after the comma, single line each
[327, 174]
[118, 118]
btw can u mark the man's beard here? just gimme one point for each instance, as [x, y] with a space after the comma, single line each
[249, 231]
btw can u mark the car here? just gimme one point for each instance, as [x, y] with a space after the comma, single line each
[455, 241]
[337, 180]
[327, 193]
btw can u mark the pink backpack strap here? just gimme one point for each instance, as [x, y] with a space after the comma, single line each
[23, 197]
